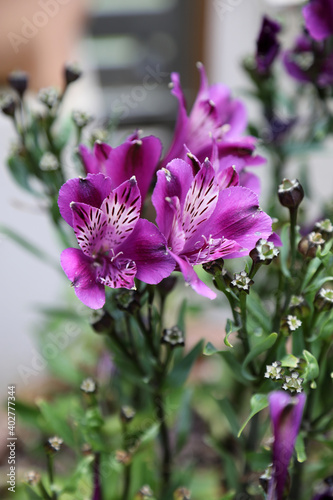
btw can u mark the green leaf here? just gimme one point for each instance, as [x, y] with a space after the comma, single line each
[56, 422]
[258, 403]
[311, 370]
[257, 313]
[310, 272]
[228, 496]
[20, 171]
[231, 473]
[181, 316]
[229, 414]
[31, 494]
[259, 348]
[289, 361]
[300, 448]
[284, 250]
[28, 246]
[184, 420]
[229, 329]
[230, 359]
[181, 370]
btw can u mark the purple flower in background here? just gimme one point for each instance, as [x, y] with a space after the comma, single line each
[115, 244]
[309, 62]
[318, 16]
[214, 114]
[268, 45]
[135, 156]
[203, 220]
[286, 414]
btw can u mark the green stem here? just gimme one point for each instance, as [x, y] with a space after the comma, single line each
[165, 441]
[293, 220]
[50, 473]
[127, 482]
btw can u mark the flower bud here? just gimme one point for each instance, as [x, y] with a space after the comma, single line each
[144, 493]
[32, 477]
[274, 371]
[49, 96]
[53, 445]
[325, 228]
[289, 324]
[173, 337]
[104, 322]
[81, 118]
[18, 80]
[8, 105]
[89, 386]
[242, 282]
[127, 413]
[264, 252]
[128, 300]
[214, 267]
[309, 244]
[182, 494]
[324, 299]
[290, 193]
[48, 162]
[293, 383]
[299, 306]
[72, 73]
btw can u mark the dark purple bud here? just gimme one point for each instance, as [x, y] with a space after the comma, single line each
[19, 80]
[173, 337]
[214, 267]
[309, 244]
[8, 105]
[105, 322]
[290, 193]
[268, 45]
[72, 73]
[324, 299]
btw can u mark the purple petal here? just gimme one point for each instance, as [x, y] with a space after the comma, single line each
[122, 209]
[90, 227]
[286, 415]
[138, 157]
[200, 201]
[318, 16]
[147, 247]
[227, 177]
[237, 217]
[192, 279]
[92, 191]
[180, 133]
[102, 152]
[118, 272]
[80, 270]
[175, 180]
[89, 160]
[250, 181]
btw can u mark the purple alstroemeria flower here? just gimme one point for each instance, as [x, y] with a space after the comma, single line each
[268, 45]
[286, 414]
[238, 155]
[203, 220]
[309, 62]
[318, 16]
[136, 156]
[116, 246]
[214, 114]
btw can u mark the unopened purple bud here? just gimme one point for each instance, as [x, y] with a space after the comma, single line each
[309, 244]
[72, 73]
[19, 80]
[290, 193]
[214, 267]
[8, 105]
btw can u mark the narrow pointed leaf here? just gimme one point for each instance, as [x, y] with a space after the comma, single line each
[261, 347]
[258, 403]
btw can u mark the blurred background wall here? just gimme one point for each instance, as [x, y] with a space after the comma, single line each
[127, 50]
